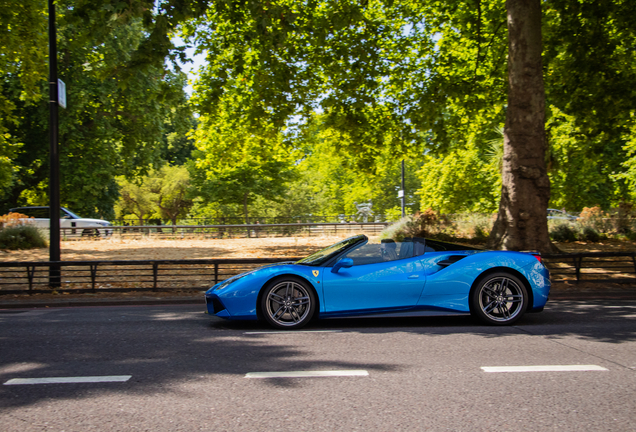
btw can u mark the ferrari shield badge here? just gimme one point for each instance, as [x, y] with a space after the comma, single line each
[315, 273]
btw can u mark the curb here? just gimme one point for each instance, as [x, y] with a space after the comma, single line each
[594, 295]
[105, 302]
[554, 296]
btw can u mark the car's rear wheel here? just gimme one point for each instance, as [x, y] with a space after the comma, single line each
[499, 299]
[90, 233]
[288, 303]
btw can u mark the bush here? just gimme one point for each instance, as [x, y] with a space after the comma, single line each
[590, 234]
[432, 224]
[563, 233]
[13, 219]
[21, 237]
[428, 223]
[480, 235]
[595, 218]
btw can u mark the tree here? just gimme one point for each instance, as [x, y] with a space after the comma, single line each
[163, 193]
[124, 92]
[134, 199]
[430, 67]
[522, 219]
[236, 162]
[333, 173]
[589, 72]
[461, 181]
[119, 110]
[169, 189]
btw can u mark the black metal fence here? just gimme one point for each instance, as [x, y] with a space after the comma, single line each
[240, 220]
[616, 267]
[118, 276]
[164, 275]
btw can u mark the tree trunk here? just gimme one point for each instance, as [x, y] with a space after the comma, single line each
[522, 222]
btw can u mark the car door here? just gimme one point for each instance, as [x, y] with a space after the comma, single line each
[67, 221]
[373, 284]
[40, 216]
[448, 282]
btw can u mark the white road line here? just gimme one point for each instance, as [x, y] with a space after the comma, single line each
[552, 368]
[292, 332]
[69, 380]
[307, 374]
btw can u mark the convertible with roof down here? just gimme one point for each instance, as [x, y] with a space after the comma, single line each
[412, 277]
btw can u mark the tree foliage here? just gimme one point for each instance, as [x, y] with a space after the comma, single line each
[308, 107]
[164, 193]
[122, 98]
[236, 162]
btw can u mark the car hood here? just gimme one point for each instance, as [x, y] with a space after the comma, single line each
[95, 221]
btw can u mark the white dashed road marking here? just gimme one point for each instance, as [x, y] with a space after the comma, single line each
[553, 368]
[69, 380]
[307, 374]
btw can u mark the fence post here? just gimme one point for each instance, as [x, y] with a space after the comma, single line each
[30, 274]
[216, 273]
[93, 270]
[155, 272]
[577, 266]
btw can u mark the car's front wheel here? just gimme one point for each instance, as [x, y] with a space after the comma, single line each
[288, 303]
[499, 299]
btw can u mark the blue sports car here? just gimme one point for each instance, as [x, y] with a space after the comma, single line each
[416, 276]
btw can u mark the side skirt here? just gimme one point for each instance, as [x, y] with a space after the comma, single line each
[411, 312]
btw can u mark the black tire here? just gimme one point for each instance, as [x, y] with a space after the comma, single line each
[90, 232]
[499, 299]
[288, 303]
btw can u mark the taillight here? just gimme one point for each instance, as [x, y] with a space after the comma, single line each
[538, 257]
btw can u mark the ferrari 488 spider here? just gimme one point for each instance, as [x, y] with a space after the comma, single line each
[416, 276]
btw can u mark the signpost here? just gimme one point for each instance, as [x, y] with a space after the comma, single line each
[54, 157]
[61, 93]
[401, 193]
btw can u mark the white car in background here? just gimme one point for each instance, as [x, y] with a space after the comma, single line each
[561, 215]
[73, 224]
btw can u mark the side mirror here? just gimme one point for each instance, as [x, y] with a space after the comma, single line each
[343, 263]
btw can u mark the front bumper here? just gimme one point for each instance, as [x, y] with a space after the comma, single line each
[215, 306]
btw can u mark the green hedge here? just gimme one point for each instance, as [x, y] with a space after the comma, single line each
[21, 237]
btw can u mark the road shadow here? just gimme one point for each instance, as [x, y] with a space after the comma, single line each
[561, 318]
[157, 346]
[164, 346]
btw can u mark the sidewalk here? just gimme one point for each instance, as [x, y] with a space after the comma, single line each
[100, 299]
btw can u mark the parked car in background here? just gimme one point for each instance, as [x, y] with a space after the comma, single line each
[72, 224]
[561, 214]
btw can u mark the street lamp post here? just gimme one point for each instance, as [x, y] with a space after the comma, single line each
[54, 157]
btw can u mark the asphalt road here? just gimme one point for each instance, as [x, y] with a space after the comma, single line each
[175, 368]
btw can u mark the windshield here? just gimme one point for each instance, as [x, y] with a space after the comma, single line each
[327, 253]
[73, 215]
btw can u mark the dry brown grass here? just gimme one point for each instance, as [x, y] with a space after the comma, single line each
[155, 248]
[152, 249]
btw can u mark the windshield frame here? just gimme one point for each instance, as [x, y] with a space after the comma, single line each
[325, 255]
[73, 215]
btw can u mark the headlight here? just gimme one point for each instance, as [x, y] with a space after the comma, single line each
[232, 279]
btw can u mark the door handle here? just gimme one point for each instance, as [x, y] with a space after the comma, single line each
[414, 276]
